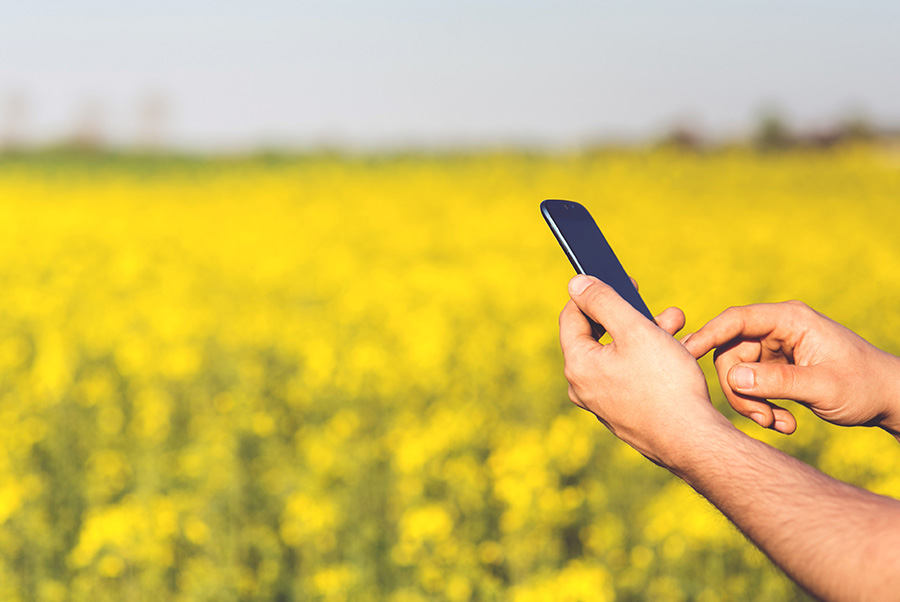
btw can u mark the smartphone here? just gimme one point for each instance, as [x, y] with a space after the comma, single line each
[587, 249]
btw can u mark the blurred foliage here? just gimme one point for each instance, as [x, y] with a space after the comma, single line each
[328, 378]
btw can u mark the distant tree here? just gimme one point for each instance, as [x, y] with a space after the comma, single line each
[87, 134]
[854, 129]
[15, 114]
[153, 111]
[857, 128]
[772, 132]
[684, 137]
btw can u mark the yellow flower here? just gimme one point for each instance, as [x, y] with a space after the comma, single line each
[338, 378]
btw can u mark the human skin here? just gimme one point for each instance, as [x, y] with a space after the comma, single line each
[790, 351]
[837, 541]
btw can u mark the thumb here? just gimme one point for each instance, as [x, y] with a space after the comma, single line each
[779, 381]
[605, 306]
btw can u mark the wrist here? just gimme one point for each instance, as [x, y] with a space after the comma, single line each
[696, 441]
[702, 459]
[889, 417]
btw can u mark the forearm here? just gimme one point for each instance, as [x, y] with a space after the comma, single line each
[837, 541]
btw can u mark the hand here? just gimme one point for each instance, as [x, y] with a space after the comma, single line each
[789, 351]
[644, 386]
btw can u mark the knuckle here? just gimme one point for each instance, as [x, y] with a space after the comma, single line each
[594, 356]
[565, 314]
[579, 363]
[786, 378]
[740, 404]
[735, 313]
[798, 306]
[571, 372]
[779, 378]
[799, 313]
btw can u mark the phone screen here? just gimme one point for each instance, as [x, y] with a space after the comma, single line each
[587, 249]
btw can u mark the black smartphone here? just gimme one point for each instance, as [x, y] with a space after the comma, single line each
[587, 249]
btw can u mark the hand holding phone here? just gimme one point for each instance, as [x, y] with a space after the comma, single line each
[643, 385]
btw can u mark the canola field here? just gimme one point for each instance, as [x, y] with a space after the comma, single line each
[338, 378]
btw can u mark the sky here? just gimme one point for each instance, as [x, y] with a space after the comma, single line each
[241, 74]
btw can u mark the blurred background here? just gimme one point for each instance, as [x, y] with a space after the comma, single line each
[278, 309]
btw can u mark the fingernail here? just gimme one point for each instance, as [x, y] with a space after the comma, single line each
[758, 418]
[578, 284]
[781, 426]
[686, 338]
[743, 377]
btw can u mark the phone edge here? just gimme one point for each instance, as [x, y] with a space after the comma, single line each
[545, 211]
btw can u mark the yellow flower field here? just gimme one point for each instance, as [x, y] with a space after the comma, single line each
[338, 379]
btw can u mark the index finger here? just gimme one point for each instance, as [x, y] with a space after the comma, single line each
[575, 331]
[750, 321]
